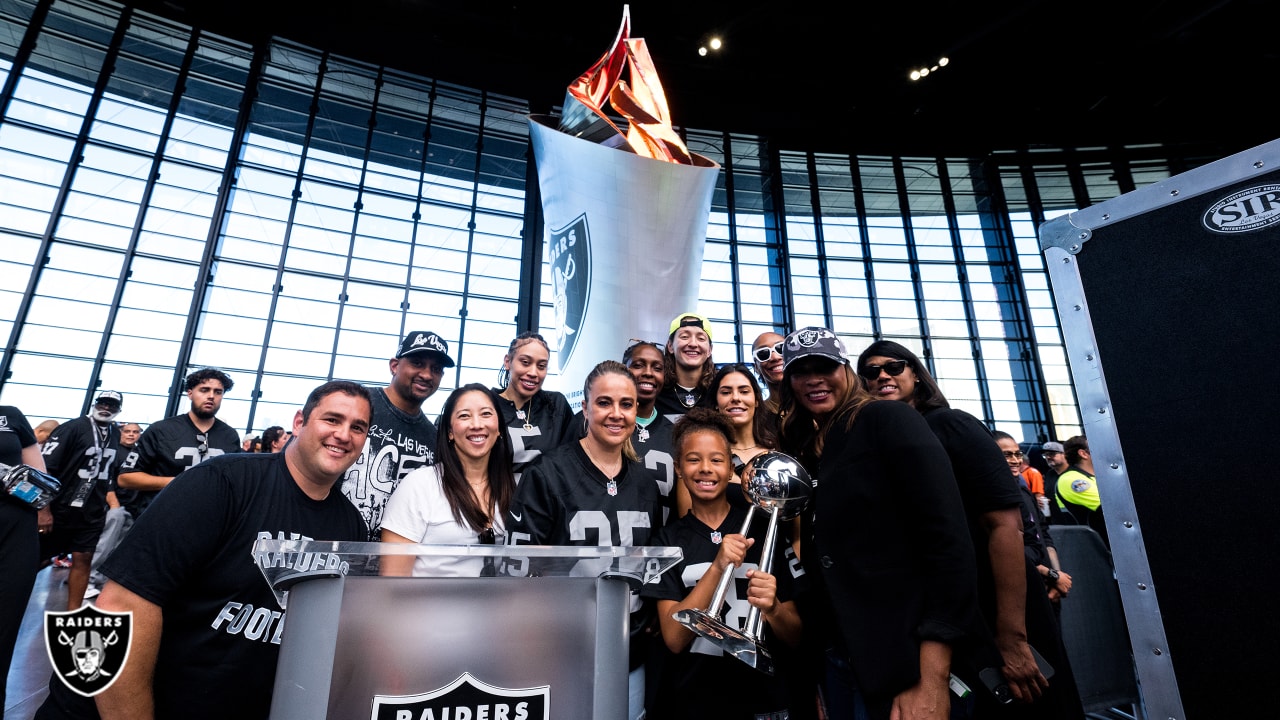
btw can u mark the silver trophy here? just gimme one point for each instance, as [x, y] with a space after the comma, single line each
[777, 484]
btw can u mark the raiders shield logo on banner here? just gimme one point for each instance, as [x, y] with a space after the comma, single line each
[569, 251]
[87, 647]
[466, 697]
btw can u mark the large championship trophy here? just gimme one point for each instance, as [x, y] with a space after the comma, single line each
[779, 485]
[625, 212]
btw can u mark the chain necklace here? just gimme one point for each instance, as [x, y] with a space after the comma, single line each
[521, 413]
[687, 396]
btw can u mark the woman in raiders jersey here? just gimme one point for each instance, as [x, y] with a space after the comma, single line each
[652, 438]
[583, 493]
[698, 679]
[689, 367]
[461, 499]
[538, 420]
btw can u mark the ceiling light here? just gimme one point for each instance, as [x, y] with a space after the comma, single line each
[915, 75]
[924, 72]
[702, 51]
[943, 62]
[715, 43]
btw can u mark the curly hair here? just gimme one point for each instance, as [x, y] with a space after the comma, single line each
[204, 374]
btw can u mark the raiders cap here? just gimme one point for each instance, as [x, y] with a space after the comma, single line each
[110, 396]
[422, 341]
[811, 342]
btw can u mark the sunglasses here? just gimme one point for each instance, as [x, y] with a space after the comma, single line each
[894, 368]
[1015, 454]
[203, 447]
[762, 354]
[488, 537]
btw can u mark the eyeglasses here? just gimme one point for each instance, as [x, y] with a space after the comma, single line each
[762, 354]
[488, 537]
[203, 447]
[1015, 454]
[894, 368]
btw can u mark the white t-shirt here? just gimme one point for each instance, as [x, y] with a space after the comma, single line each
[419, 511]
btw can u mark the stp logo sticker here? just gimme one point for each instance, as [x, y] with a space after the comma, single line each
[466, 697]
[87, 647]
[569, 251]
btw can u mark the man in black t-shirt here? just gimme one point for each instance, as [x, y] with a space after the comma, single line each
[81, 454]
[401, 438]
[206, 626]
[174, 444]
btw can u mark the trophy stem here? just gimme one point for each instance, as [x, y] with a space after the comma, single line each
[755, 621]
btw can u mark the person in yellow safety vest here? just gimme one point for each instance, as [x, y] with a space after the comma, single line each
[1078, 488]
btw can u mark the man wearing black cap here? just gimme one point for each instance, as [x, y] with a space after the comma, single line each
[183, 441]
[81, 453]
[401, 438]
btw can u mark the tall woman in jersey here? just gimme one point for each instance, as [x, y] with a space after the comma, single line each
[689, 367]
[896, 582]
[463, 498]
[537, 420]
[1011, 592]
[582, 493]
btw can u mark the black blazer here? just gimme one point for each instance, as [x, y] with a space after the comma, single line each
[891, 545]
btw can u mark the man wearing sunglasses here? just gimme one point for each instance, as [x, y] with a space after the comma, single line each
[183, 441]
[81, 453]
[766, 354]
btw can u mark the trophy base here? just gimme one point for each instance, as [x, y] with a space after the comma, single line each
[731, 640]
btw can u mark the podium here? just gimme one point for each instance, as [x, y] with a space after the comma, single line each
[551, 643]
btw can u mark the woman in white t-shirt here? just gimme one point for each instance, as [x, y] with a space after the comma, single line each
[460, 500]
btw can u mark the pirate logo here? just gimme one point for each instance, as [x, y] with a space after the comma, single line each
[87, 647]
[463, 698]
[808, 337]
[569, 251]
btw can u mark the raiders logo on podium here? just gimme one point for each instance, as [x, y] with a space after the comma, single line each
[87, 647]
[569, 251]
[466, 697]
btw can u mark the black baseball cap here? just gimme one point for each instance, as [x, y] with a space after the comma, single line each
[108, 397]
[812, 342]
[421, 341]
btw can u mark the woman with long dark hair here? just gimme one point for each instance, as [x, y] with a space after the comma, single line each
[536, 419]
[461, 500]
[1012, 594]
[895, 582]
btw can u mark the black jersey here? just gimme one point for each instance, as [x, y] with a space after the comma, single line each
[543, 424]
[15, 434]
[564, 499]
[657, 462]
[191, 557]
[703, 681]
[172, 445]
[673, 401]
[81, 453]
[398, 443]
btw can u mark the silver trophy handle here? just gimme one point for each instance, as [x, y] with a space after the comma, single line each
[722, 588]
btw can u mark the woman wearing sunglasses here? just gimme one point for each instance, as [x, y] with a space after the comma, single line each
[894, 589]
[537, 420]
[1012, 598]
[463, 498]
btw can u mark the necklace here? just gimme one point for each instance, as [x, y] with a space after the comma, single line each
[642, 429]
[687, 396]
[521, 414]
[611, 486]
[744, 449]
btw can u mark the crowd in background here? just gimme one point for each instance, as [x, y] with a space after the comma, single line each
[920, 581]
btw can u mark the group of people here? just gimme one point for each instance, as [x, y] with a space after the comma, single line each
[915, 581]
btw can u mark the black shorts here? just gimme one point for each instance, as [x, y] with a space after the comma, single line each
[68, 537]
